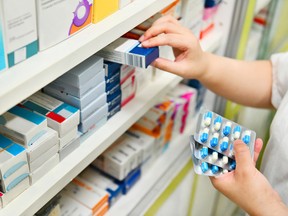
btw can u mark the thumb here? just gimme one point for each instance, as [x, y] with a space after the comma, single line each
[242, 156]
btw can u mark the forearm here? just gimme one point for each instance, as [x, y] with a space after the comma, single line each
[244, 82]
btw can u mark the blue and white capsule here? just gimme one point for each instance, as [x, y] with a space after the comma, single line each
[224, 171]
[231, 150]
[214, 156]
[214, 140]
[224, 144]
[232, 165]
[217, 123]
[227, 128]
[204, 152]
[207, 118]
[204, 135]
[214, 169]
[204, 167]
[236, 132]
[247, 137]
[225, 160]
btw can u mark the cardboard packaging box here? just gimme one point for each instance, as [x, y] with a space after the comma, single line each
[20, 29]
[102, 9]
[129, 52]
[59, 20]
[60, 116]
[22, 125]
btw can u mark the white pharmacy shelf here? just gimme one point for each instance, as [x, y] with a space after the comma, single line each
[154, 181]
[92, 145]
[29, 76]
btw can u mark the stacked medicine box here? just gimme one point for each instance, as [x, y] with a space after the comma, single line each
[83, 197]
[84, 87]
[27, 128]
[61, 117]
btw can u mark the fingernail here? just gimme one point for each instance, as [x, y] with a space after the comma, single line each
[144, 43]
[141, 38]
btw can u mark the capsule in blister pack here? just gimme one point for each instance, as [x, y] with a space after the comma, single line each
[202, 166]
[219, 133]
[211, 156]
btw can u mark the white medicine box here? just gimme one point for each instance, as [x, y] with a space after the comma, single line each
[20, 29]
[58, 20]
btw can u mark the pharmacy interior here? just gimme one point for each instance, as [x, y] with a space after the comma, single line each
[89, 127]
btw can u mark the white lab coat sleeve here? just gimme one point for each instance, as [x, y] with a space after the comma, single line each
[280, 77]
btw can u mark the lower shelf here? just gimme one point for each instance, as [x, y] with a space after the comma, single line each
[154, 181]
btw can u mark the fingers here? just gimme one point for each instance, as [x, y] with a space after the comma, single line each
[257, 149]
[166, 24]
[242, 156]
[173, 40]
[167, 65]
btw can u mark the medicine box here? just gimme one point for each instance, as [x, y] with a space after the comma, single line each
[22, 125]
[20, 29]
[93, 107]
[86, 195]
[3, 60]
[71, 135]
[113, 93]
[113, 111]
[83, 72]
[111, 68]
[126, 71]
[12, 158]
[45, 142]
[97, 118]
[59, 20]
[98, 179]
[71, 207]
[44, 168]
[130, 180]
[78, 91]
[112, 81]
[128, 90]
[129, 52]
[51, 208]
[70, 147]
[80, 103]
[115, 102]
[16, 191]
[34, 165]
[103, 8]
[60, 116]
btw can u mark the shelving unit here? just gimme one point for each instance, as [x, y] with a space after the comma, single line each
[156, 179]
[28, 77]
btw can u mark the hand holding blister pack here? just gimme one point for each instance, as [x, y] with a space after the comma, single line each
[212, 143]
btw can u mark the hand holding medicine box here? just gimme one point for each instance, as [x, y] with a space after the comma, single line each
[129, 52]
[61, 116]
[212, 143]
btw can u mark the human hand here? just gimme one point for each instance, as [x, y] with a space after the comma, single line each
[189, 58]
[247, 187]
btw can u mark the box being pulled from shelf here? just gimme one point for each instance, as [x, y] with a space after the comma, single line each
[61, 116]
[129, 52]
[13, 164]
[59, 20]
[20, 29]
[22, 125]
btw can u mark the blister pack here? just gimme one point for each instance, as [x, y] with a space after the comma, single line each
[212, 143]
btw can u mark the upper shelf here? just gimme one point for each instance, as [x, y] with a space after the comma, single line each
[29, 76]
